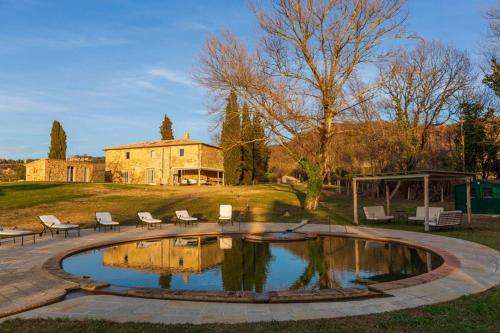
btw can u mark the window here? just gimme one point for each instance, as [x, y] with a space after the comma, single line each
[125, 177]
[127, 155]
[152, 154]
[487, 193]
[181, 152]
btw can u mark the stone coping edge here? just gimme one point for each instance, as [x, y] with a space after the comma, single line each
[53, 299]
[54, 266]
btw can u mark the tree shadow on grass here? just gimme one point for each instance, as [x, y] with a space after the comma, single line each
[4, 189]
[300, 194]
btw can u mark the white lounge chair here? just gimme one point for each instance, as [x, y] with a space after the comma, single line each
[104, 220]
[376, 213]
[183, 216]
[180, 242]
[147, 218]
[420, 215]
[226, 213]
[13, 233]
[53, 224]
[447, 219]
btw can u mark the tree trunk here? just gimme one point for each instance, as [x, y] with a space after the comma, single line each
[314, 184]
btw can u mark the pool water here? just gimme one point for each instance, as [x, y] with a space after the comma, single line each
[233, 264]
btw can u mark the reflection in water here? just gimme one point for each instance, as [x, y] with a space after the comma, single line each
[232, 264]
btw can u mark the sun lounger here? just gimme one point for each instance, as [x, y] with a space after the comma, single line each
[226, 213]
[420, 215]
[447, 219]
[180, 242]
[376, 213]
[104, 220]
[13, 233]
[147, 218]
[53, 224]
[183, 216]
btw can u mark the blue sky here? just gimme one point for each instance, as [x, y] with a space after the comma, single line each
[109, 69]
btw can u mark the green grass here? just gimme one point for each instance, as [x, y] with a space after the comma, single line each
[20, 203]
[476, 313]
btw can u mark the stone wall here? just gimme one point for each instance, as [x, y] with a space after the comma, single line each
[212, 158]
[35, 171]
[51, 170]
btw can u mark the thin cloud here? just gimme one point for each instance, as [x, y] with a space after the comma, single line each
[171, 75]
[22, 104]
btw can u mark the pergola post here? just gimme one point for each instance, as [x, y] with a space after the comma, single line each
[426, 202]
[469, 206]
[387, 198]
[223, 178]
[355, 200]
[199, 177]
[356, 258]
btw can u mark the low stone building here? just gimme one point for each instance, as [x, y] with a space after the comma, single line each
[165, 162]
[52, 170]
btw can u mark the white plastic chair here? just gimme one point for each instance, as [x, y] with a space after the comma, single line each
[226, 213]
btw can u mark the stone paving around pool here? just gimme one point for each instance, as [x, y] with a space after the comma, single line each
[26, 287]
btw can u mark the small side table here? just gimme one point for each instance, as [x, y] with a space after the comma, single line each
[401, 216]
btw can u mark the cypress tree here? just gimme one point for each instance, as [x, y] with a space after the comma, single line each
[166, 129]
[246, 147]
[57, 148]
[231, 141]
[260, 151]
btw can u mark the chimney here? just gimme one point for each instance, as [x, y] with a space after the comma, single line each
[186, 136]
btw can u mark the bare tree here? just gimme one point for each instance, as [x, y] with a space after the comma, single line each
[297, 77]
[493, 17]
[419, 86]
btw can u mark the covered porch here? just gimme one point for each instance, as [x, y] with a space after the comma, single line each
[425, 176]
[197, 176]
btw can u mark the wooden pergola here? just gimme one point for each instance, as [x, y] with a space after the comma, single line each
[425, 175]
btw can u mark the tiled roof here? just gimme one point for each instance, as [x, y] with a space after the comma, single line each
[160, 143]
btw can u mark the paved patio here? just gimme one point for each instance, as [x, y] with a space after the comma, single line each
[24, 284]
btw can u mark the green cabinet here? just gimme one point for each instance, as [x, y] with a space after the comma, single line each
[485, 197]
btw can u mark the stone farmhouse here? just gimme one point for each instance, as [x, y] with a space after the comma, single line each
[69, 170]
[165, 162]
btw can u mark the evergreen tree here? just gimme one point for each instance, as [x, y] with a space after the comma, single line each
[247, 136]
[231, 141]
[492, 80]
[480, 149]
[260, 151]
[166, 129]
[57, 148]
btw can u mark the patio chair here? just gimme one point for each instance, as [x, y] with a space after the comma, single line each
[376, 213]
[420, 215]
[53, 224]
[147, 218]
[104, 220]
[183, 216]
[226, 214]
[13, 233]
[447, 219]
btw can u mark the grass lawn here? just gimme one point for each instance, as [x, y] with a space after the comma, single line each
[21, 203]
